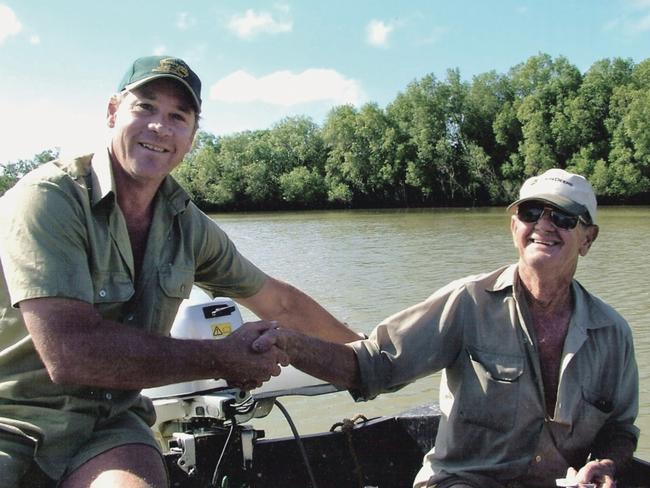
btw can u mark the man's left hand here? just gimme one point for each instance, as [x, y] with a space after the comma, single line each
[600, 471]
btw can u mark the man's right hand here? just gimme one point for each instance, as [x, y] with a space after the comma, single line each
[330, 361]
[244, 367]
[79, 347]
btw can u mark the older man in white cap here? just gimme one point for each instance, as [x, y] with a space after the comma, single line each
[539, 378]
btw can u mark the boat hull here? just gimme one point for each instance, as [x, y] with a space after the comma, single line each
[385, 452]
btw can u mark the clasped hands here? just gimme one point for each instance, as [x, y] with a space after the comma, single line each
[254, 354]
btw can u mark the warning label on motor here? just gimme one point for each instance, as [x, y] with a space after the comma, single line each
[221, 330]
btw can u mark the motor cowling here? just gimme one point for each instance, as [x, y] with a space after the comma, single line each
[201, 317]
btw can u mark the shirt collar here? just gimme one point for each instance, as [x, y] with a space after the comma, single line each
[587, 314]
[506, 279]
[176, 197]
[102, 184]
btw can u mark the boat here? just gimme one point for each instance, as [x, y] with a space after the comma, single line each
[383, 452]
[209, 439]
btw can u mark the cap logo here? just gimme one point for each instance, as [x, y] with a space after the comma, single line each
[172, 66]
[560, 180]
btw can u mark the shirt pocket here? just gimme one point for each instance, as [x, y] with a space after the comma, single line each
[490, 390]
[593, 411]
[175, 284]
[111, 291]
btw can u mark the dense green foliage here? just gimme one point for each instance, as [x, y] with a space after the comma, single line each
[442, 142]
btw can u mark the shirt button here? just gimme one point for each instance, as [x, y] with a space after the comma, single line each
[538, 459]
[108, 396]
[102, 293]
[182, 287]
[130, 318]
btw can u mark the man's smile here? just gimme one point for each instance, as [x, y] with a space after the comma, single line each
[543, 242]
[153, 147]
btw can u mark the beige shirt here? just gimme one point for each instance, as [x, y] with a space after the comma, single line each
[64, 236]
[494, 423]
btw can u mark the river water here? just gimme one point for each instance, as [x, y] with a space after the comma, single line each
[366, 265]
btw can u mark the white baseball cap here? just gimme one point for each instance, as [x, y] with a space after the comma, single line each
[559, 188]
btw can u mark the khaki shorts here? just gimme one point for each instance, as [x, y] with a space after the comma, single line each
[17, 455]
[17, 466]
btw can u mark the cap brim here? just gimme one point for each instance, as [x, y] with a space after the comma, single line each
[569, 206]
[143, 81]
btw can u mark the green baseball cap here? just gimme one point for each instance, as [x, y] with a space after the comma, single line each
[148, 68]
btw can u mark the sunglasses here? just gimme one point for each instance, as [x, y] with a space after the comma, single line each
[531, 213]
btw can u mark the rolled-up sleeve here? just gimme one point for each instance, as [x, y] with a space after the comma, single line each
[221, 268]
[413, 343]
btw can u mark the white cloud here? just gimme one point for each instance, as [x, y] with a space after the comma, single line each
[34, 39]
[9, 23]
[286, 88]
[252, 23]
[184, 21]
[635, 20]
[377, 33]
[642, 24]
[160, 50]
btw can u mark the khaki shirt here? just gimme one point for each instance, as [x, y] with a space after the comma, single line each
[494, 421]
[64, 236]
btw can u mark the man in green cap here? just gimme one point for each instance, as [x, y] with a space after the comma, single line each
[97, 254]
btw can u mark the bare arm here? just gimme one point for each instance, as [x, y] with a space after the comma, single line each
[296, 310]
[78, 347]
[332, 362]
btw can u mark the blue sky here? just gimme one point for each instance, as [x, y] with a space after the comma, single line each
[261, 61]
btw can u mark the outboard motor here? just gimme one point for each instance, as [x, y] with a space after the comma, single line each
[198, 405]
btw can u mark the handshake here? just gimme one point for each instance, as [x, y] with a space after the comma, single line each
[254, 353]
